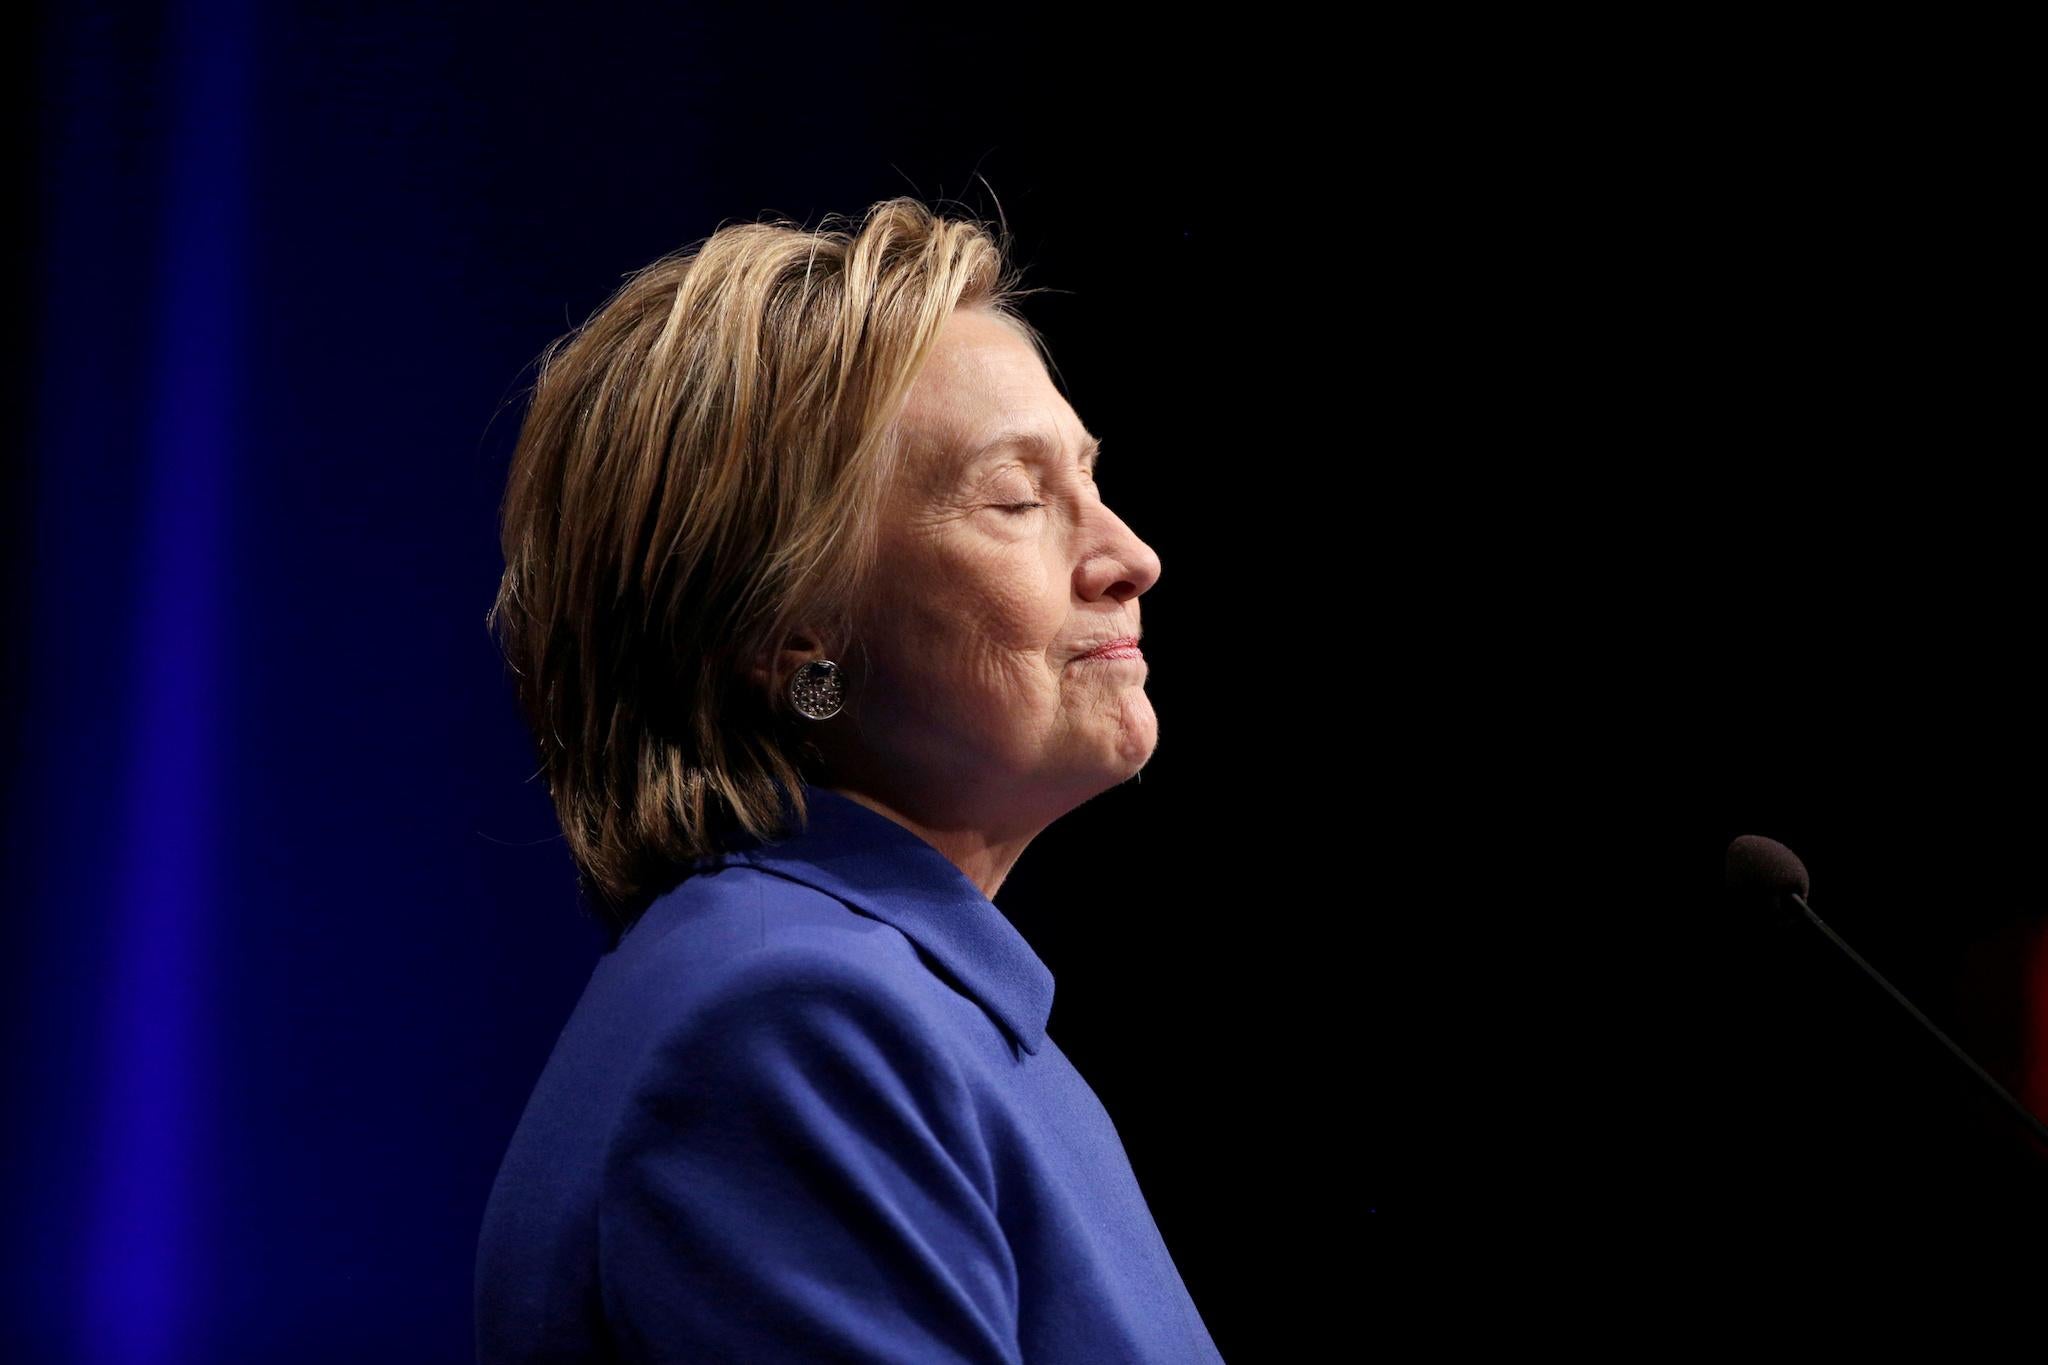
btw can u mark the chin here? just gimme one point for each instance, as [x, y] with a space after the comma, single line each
[1133, 751]
[1110, 767]
[1138, 737]
[1112, 754]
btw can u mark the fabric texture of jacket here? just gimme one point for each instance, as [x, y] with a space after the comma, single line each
[807, 1109]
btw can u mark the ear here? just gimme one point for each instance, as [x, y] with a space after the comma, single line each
[771, 670]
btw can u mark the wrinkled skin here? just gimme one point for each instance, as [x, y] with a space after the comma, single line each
[973, 721]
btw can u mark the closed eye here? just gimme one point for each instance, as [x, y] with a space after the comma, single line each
[1021, 506]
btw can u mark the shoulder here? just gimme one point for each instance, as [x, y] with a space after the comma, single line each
[797, 1134]
[808, 996]
[750, 959]
[741, 931]
[828, 1052]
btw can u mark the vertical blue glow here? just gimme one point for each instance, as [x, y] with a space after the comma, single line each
[149, 1237]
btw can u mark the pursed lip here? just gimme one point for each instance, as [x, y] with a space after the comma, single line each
[1121, 642]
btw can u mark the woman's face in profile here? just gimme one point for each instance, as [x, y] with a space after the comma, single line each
[1002, 567]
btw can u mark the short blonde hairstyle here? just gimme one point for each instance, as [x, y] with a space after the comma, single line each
[701, 468]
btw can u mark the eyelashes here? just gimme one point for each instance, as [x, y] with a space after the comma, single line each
[1018, 509]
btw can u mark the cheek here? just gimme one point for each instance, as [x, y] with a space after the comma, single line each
[1016, 613]
[989, 621]
[997, 597]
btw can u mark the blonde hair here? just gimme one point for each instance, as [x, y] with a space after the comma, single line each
[701, 468]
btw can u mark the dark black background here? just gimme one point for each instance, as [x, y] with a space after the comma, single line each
[1714, 335]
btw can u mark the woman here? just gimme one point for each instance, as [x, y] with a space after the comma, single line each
[819, 619]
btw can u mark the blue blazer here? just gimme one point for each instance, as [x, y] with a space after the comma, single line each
[807, 1109]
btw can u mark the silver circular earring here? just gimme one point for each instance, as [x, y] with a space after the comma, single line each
[817, 690]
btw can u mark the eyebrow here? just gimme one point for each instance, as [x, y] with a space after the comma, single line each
[1091, 447]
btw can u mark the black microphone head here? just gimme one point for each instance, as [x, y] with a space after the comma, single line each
[1764, 871]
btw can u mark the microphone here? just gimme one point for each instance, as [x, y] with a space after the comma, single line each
[1768, 875]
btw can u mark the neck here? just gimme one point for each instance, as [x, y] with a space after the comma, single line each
[983, 854]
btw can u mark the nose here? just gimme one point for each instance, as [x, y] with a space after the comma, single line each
[1121, 567]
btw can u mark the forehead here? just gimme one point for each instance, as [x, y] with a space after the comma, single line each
[1026, 442]
[984, 396]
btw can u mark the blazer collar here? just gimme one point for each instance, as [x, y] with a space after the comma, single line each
[885, 870]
